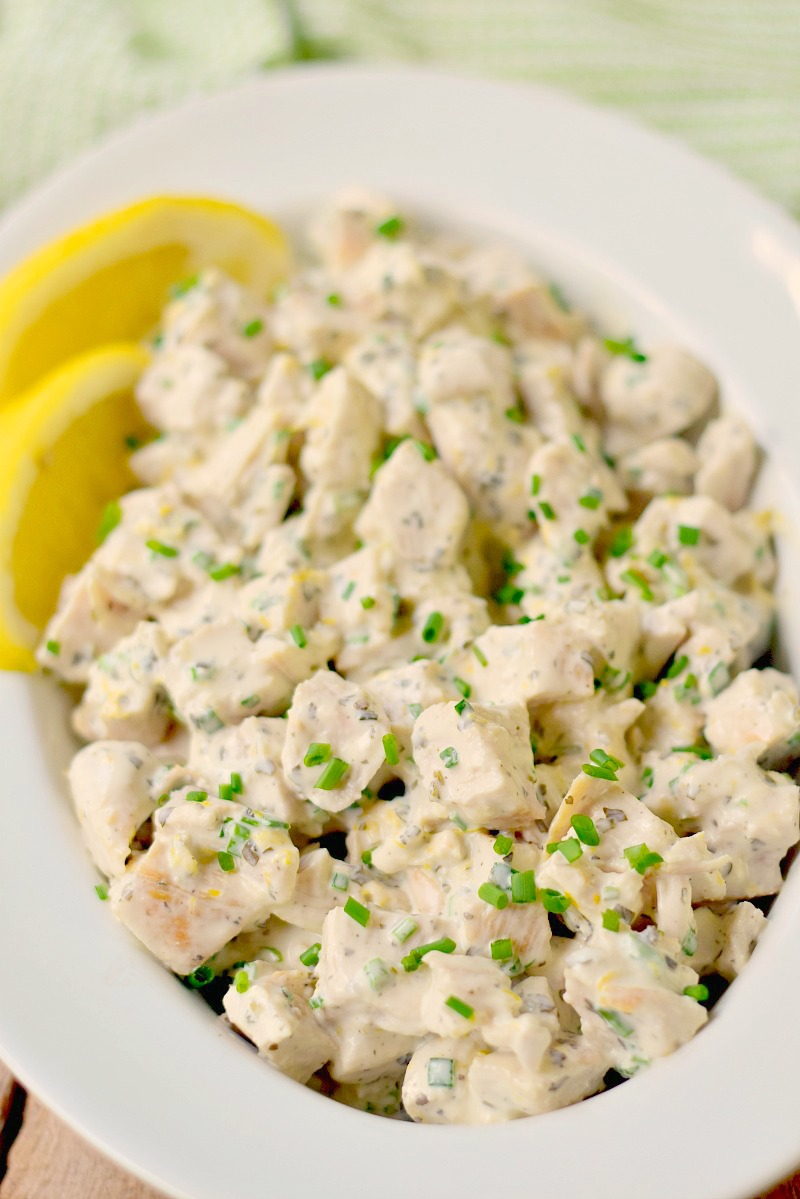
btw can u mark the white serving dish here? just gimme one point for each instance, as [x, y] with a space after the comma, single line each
[655, 240]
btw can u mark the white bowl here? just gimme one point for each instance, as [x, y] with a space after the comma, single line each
[655, 240]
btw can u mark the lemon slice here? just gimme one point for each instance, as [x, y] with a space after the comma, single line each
[108, 281]
[64, 449]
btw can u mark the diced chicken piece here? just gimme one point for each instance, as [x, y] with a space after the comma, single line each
[284, 392]
[384, 362]
[487, 452]
[272, 943]
[405, 691]
[111, 785]
[160, 549]
[436, 1086]
[214, 869]
[89, 620]
[274, 1013]
[218, 675]
[282, 598]
[673, 716]
[306, 321]
[124, 700]
[572, 492]
[501, 276]
[455, 364]
[360, 599]
[161, 460]
[417, 508]
[629, 992]
[476, 982]
[575, 729]
[591, 358]
[252, 751]
[728, 458]
[329, 711]
[761, 708]
[220, 314]
[394, 281]
[323, 883]
[570, 1070]
[343, 427]
[536, 663]
[666, 465]
[478, 763]
[643, 401]
[741, 928]
[551, 581]
[545, 372]
[188, 389]
[748, 813]
[347, 226]
[380, 1095]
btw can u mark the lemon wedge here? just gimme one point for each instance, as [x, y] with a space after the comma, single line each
[64, 448]
[108, 281]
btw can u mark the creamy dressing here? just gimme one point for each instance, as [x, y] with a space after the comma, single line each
[418, 679]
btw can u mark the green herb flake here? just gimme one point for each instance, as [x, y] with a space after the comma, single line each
[503, 844]
[101, 891]
[53, 647]
[611, 920]
[432, 629]
[523, 887]
[450, 757]
[494, 895]
[621, 541]
[581, 536]
[641, 858]
[392, 227]
[592, 499]
[241, 981]
[554, 901]
[310, 957]
[547, 510]
[627, 348]
[460, 1008]
[367, 602]
[110, 518]
[502, 949]
[479, 654]
[615, 1020]
[391, 749]
[441, 1072]
[332, 775]
[252, 328]
[688, 534]
[319, 368]
[698, 992]
[585, 829]
[196, 796]
[298, 636]
[637, 579]
[159, 548]
[356, 911]
[226, 861]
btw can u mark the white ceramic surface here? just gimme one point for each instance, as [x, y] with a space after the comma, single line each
[657, 241]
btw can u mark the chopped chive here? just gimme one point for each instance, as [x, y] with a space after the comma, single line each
[581, 536]
[580, 444]
[432, 629]
[226, 791]
[536, 483]
[462, 686]
[626, 347]
[719, 678]
[592, 499]
[641, 858]
[688, 534]
[415, 710]
[332, 775]
[450, 757]
[700, 751]
[523, 887]
[554, 901]
[250, 701]
[392, 227]
[516, 414]
[570, 848]
[503, 844]
[200, 977]
[340, 881]
[404, 929]
[316, 1001]
[237, 786]
[657, 558]
[547, 510]
[183, 286]
[502, 949]
[646, 689]
[356, 911]
[196, 796]
[601, 758]
[611, 920]
[209, 722]
[391, 749]
[349, 589]
[298, 636]
[110, 518]
[412, 960]
[479, 654]
[226, 861]
[699, 992]
[241, 981]
[441, 1072]
[366, 857]
[599, 772]
[585, 828]
[426, 450]
[319, 368]
[677, 667]
[252, 328]
[494, 895]
[158, 547]
[621, 542]
[53, 647]
[310, 957]
[508, 594]
[638, 580]
[647, 777]
[377, 972]
[226, 571]
[367, 602]
[334, 299]
[463, 706]
[615, 1021]
[203, 560]
[458, 822]
[462, 1009]
[101, 891]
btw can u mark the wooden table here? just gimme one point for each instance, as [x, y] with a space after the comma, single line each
[40, 1158]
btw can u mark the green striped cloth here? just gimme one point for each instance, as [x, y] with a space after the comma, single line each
[722, 74]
